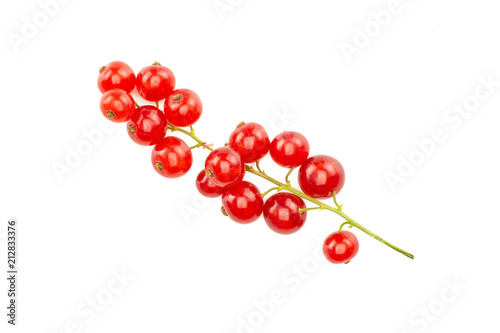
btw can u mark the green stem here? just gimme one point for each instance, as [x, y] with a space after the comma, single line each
[289, 188]
[301, 210]
[322, 205]
[343, 224]
[339, 207]
[270, 190]
[288, 175]
[258, 166]
[189, 133]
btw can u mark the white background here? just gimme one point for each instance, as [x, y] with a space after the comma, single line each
[258, 61]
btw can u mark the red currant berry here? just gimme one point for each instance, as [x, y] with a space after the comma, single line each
[117, 105]
[147, 126]
[250, 141]
[281, 213]
[207, 187]
[183, 107]
[289, 149]
[340, 247]
[116, 75]
[172, 157]
[242, 202]
[224, 167]
[320, 175]
[155, 82]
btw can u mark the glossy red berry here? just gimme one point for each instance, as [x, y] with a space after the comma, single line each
[242, 202]
[155, 82]
[183, 107]
[224, 167]
[289, 149]
[116, 75]
[250, 141]
[340, 247]
[281, 213]
[320, 175]
[172, 157]
[117, 105]
[147, 126]
[206, 187]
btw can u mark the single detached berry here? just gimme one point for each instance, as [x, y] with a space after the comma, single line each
[116, 75]
[206, 187]
[117, 105]
[242, 202]
[340, 247]
[224, 167]
[250, 141]
[172, 157]
[289, 149]
[147, 126]
[155, 82]
[183, 107]
[320, 175]
[281, 213]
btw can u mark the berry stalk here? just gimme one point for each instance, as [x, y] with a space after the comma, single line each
[191, 134]
[288, 187]
[322, 206]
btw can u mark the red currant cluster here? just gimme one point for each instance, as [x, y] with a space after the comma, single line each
[147, 125]
[319, 177]
[284, 212]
